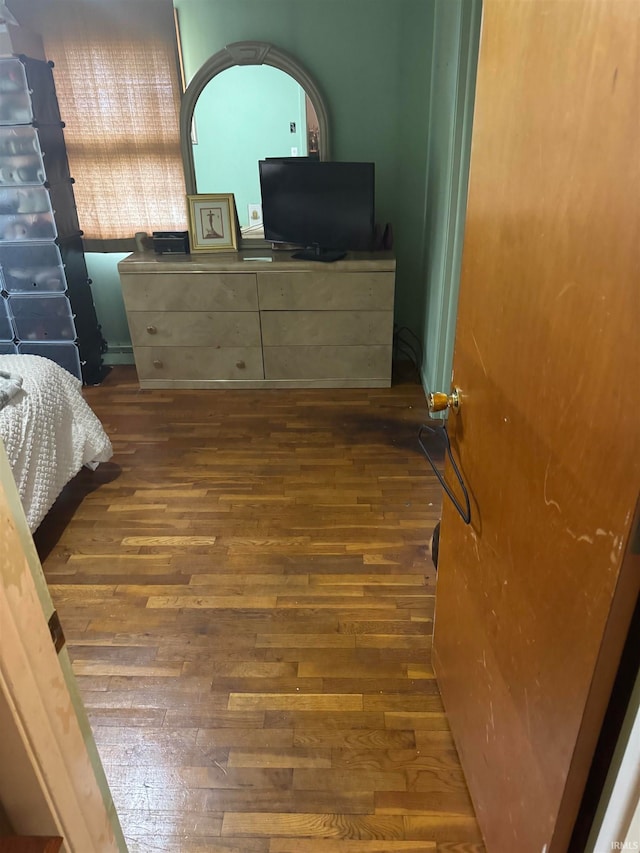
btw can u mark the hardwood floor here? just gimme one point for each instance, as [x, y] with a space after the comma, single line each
[247, 596]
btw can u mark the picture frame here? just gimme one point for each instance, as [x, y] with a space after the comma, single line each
[213, 222]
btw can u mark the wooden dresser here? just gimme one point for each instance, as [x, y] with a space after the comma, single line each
[260, 319]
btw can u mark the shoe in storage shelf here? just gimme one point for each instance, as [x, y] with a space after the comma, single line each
[47, 306]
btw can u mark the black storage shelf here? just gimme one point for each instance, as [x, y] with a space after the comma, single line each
[27, 92]
[32, 155]
[47, 305]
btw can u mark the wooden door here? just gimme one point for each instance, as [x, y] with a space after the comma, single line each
[533, 601]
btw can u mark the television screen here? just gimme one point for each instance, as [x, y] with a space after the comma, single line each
[318, 203]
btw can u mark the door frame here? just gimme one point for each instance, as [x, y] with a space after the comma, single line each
[55, 784]
[456, 34]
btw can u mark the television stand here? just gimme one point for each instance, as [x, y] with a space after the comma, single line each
[315, 253]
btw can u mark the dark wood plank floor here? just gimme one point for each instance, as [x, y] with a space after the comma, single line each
[247, 596]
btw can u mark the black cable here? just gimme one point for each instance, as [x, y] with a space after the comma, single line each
[416, 339]
[465, 512]
[414, 351]
[402, 349]
[405, 349]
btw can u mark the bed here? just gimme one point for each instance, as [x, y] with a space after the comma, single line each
[48, 429]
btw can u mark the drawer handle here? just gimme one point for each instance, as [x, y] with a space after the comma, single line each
[157, 362]
[240, 364]
[152, 330]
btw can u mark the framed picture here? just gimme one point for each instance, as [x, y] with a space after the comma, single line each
[212, 222]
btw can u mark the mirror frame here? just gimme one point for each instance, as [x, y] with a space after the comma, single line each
[245, 53]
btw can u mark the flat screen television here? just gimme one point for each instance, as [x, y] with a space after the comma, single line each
[324, 206]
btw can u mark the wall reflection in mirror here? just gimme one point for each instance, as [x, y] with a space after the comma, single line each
[244, 114]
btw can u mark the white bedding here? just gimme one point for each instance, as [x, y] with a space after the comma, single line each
[49, 432]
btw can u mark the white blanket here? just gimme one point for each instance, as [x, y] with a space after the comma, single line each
[10, 385]
[49, 432]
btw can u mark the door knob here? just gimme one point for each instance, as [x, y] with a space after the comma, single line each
[157, 362]
[152, 330]
[438, 401]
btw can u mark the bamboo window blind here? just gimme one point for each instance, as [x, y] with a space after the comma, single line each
[116, 75]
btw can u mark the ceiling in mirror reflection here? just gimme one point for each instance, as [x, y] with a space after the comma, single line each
[243, 115]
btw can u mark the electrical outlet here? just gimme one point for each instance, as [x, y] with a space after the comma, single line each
[255, 214]
[294, 152]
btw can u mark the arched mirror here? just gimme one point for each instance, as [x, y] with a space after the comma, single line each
[249, 101]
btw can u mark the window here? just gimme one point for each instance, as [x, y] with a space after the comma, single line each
[116, 75]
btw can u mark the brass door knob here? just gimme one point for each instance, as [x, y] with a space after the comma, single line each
[152, 330]
[438, 401]
[240, 365]
[157, 362]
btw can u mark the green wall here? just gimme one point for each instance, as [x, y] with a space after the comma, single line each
[371, 59]
[397, 77]
[107, 297]
[257, 105]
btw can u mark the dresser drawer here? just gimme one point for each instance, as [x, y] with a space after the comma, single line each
[194, 328]
[329, 328]
[193, 291]
[328, 362]
[326, 291]
[199, 363]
